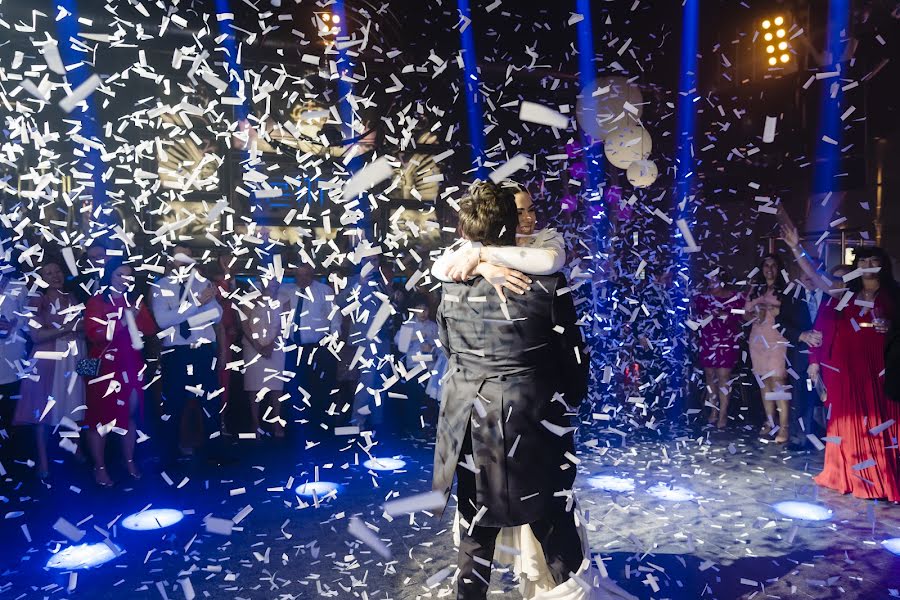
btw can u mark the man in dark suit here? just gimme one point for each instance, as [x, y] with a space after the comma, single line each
[518, 370]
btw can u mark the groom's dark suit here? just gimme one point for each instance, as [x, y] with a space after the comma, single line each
[503, 428]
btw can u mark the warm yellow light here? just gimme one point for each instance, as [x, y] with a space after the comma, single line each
[326, 17]
[780, 33]
[779, 21]
[785, 58]
[770, 49]
[773, 61]
[324, 29]
[768, 37]
[336, 19]
[766, 24]
[782, 45]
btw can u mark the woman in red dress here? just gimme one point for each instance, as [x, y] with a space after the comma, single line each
[861, 457]
[115, 324]
[719, 343]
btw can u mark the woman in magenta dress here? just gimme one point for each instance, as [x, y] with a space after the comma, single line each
[719, 343]
[861, 462]
[115, 325]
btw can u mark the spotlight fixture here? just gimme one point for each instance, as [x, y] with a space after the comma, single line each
[156, 518]
[326, 17]
[774, 29]
[804, 511]
[384, 464]
[335, 19]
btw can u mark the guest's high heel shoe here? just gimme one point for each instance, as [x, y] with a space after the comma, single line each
[101, 478]
[132, 470]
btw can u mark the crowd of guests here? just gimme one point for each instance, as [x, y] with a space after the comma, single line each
[815, 345]
[81, 349]
[83, 345]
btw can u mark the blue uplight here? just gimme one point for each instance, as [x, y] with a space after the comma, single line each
[805, 511]
[384, 464]
[155, 518]
[318, 489]
[82, 556]
[673, 493]
[471, 91]
[611, 483]
[892, 545]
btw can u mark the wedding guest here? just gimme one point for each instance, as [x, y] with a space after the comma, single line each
[228, 330]
[116, 322]
[416, 341]
[315, 324]
[52, 391]
[184, 305]
[779, 321]
[264, 356]
[720, 336]
[368, 296]
[90, 268]
[865, 462]
[13, 319]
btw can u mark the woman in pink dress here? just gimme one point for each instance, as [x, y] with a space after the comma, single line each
[52, 393]
[768, 347]
[115, 325]
[719, 343]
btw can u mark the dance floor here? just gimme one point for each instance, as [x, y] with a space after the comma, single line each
[693, 516]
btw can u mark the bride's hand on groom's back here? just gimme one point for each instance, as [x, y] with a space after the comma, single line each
[504, 277]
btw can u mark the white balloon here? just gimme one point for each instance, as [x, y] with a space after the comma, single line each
[642, 173]
[627, 144]
[600, 114]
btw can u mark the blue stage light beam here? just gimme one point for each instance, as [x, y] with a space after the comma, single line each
[587, 77]
[828, 153]
[471, 90]
[67, 30]
[684, 178]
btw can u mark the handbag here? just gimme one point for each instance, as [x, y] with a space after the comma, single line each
[88, 367]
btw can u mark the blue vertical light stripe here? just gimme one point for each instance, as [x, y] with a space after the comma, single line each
[684, 178]
[593, 158]
[828, 155]
[470, 89]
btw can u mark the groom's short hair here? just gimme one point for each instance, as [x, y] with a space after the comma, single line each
[487, 214]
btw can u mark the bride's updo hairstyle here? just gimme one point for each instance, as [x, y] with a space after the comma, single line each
[487, 214]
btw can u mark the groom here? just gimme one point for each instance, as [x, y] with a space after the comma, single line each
[505, 426]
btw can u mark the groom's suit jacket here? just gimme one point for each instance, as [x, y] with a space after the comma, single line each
[513, 369]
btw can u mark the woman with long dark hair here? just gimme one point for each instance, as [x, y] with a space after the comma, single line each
[116, 321]
[863, 423]
[768, 346]
[48, 394]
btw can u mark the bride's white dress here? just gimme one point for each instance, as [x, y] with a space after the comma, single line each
[521, 551]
